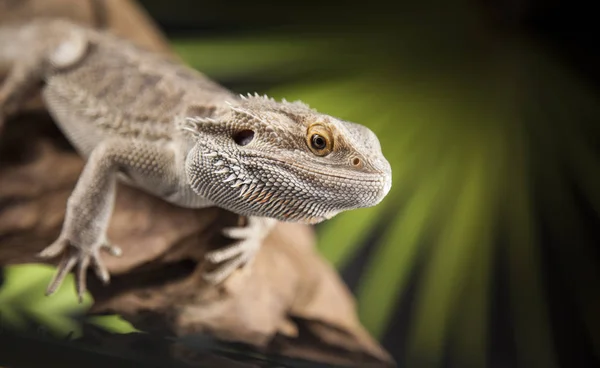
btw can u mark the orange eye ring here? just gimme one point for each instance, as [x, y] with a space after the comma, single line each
[319, 140]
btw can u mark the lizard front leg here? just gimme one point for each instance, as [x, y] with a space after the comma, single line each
[90, 205]
[249, 239]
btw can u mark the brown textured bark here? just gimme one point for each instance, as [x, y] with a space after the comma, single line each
[291, 302]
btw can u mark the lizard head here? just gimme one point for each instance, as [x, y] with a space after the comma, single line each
[260, 157]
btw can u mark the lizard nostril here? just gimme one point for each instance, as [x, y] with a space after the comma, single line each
[243, 137]
[356, 162]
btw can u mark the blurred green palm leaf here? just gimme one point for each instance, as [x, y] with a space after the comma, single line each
[23, 300]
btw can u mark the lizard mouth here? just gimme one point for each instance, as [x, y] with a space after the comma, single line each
[379, 181]
[377, 176]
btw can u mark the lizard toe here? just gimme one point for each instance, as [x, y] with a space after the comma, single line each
[54, 249]
[223, 254]
[65, 266]
[238, 232]
[80, 277]
[100, 269]
[243, 248]
[225, 270]
[112, 249]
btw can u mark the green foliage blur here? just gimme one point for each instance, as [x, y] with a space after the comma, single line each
[479, 124]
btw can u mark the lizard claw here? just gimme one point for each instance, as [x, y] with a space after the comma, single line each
[81, 258]
[54, 249]
[112, 249]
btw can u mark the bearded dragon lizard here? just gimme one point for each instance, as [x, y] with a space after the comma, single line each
[167, 129]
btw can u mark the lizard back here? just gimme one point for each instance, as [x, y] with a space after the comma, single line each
[119, 89]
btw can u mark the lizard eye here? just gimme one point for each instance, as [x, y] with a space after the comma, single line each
[318, 142]
[243, 137]
[319, 139]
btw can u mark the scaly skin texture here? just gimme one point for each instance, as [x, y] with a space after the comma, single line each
[169, 130]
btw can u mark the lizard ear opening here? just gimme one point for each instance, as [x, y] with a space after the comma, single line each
[243, 137]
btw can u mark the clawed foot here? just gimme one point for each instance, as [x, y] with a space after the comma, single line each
[241, 253]
[233, 256]
[81, 257]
